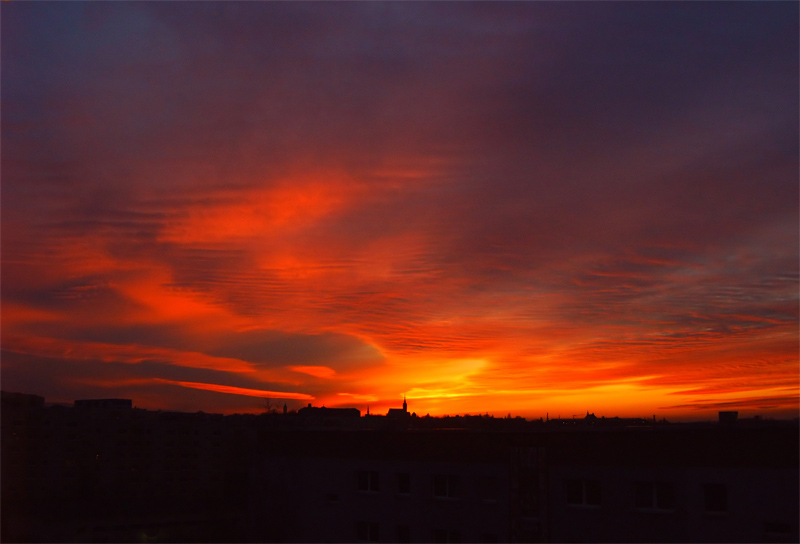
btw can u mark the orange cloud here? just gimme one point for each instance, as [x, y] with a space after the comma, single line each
[316, 371]
[121, 353]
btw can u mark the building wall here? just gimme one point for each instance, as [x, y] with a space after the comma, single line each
[760, 504]
[467, 502]
[134, 475]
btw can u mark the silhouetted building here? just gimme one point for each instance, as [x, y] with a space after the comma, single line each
[20, 400]
[105, 404]
[323, 412]
[679, 484]
[131, 475]
[399, 413]
[676, 484]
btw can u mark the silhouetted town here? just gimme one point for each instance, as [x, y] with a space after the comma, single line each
[104, 471]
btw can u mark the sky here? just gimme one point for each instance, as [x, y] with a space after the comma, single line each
[509, 208]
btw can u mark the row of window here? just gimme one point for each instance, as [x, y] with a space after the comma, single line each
[367, 531]
[647, 495]
[444, 485]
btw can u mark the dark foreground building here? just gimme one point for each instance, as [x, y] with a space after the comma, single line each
[105, 472]
[670, 484]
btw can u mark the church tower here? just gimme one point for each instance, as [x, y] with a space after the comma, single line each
[405, 406]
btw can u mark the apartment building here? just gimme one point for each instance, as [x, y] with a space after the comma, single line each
[108, 472]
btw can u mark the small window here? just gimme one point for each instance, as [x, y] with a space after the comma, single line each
[583, 492]
[367, 531]
[403, 533]
[655, 496]
[488, 488]
[403, 483]
[368, 480]
[446, 486]
[777, 529]
[716, 498]
[443, 535]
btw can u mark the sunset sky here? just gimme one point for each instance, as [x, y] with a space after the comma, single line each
[523, 208]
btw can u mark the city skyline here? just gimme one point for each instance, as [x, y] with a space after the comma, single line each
[503, 208]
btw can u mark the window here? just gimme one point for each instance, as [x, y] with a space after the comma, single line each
[716, 498]
[367, 531]
[368, 480]
[443, 535]
[777, 529]
[403, 533]
[403, 482]
[528, 494]
[583, 492]
[488, 488]
[655, 496]
[446, 486]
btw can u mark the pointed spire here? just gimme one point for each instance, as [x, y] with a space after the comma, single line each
[405, 406]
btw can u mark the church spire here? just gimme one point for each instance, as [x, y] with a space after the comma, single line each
[405, 406]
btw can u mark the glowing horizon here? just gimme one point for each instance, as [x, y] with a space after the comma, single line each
[506, 208]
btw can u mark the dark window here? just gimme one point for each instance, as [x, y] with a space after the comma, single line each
[644, 495]
[665, 496]
[443, 535]
[593, 493]
[773, 528]
[403, 533]
[367, 531]
[403, 482]
[446, 486]
[716, 498]
[528, 494]
[489, 488]
[583, 492]
[574, 491]
[368, 480]
[655, 496]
